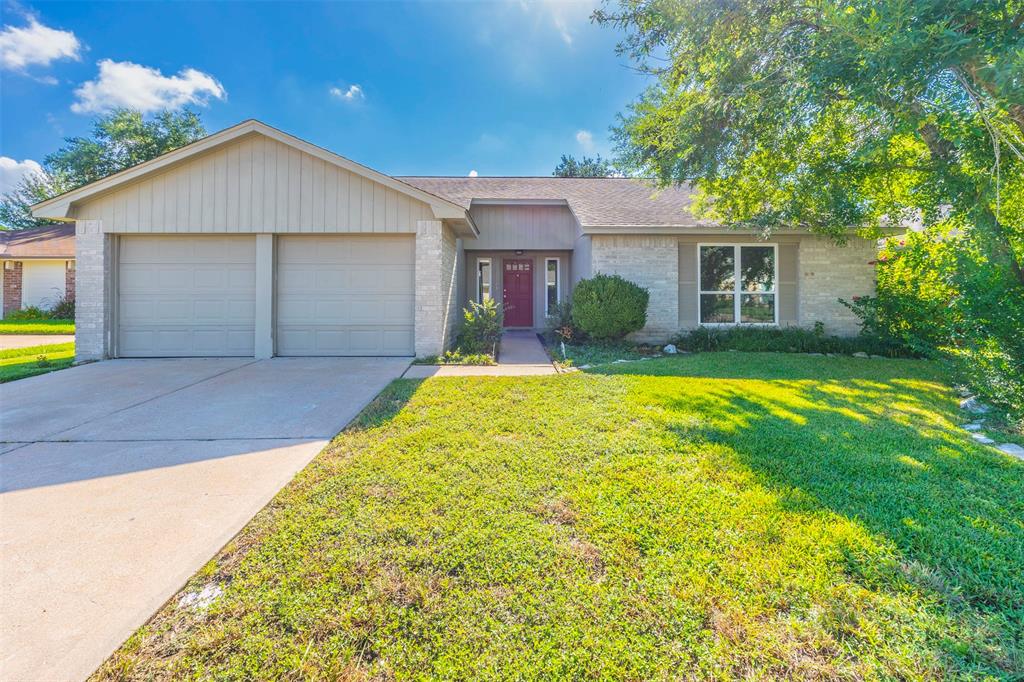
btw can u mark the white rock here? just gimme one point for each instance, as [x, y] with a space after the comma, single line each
[860, 354]
[201, 599]
[671, 349]
[878, 357]
[982, 438]
[972, 427]
[973, 405]
[615, 362]
[1012, 449]
[584, 367]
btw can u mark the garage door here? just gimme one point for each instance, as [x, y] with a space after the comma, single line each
[345, 295]
[186, 296]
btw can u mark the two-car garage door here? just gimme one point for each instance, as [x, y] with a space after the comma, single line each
[190, 295]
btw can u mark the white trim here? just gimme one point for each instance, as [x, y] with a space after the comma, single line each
[736, 292]
[479, 279]
[558, 282]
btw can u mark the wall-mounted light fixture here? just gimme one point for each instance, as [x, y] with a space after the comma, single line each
[70, 264]
[519, 252]
[8, 265]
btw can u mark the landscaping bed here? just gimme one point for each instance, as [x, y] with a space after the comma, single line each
[37, 326]
[19, 363]
[730, 515]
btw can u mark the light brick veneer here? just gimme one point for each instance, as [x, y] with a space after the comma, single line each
[652, 261]
[12, 286]
[829, 272]
[69, 281]
[93, 263]
[436, 283]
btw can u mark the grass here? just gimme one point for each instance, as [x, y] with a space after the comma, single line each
[37, 326]
[720, 516]
[18, 363]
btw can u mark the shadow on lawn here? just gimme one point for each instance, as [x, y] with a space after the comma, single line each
[883, 451]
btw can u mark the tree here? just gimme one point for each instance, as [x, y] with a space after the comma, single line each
[119, 140]
[585, 167]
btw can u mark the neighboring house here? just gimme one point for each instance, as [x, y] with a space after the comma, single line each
[39, 266]
[252, 242]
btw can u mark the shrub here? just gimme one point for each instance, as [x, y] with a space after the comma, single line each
[562, 326]
[784, 340]
[481, 327]
[30, 313]
[64, 308]
[609, 307]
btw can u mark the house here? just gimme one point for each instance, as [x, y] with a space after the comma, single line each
[38, 265]
[252, 242]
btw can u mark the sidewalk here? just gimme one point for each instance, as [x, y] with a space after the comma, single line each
[521, 355]
[9, 341]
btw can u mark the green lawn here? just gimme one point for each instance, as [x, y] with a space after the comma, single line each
[37, 326]
[730, 515]
[18, 363]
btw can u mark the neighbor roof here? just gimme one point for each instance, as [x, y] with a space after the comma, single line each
[52, 241]
[597, 202]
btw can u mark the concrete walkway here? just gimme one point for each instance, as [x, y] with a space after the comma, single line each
[120, 479]
[521, 355]
[9, 341]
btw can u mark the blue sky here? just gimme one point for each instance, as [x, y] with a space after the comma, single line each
[502, 88]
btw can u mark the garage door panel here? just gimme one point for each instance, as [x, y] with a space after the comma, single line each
[183, 296]
[345, 295]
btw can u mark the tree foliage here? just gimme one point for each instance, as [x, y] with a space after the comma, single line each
[119, 140]
[829, 116]
[584, 167]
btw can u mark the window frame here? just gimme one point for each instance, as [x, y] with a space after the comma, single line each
[737, 292]
[558, 282]
[480, 279]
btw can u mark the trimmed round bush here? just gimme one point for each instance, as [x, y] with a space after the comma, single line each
[609, 307]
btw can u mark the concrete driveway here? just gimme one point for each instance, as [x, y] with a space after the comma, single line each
[118, 480]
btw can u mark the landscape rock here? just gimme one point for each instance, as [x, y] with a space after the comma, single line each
[878, 357]
[1012, 449]
[860, 354]
[972, 427]
[201, 599]
[974, 406]
[982, 438]
[671, 349]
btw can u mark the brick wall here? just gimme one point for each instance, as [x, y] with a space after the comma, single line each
[12, 287]
[436, 285]
[69, 281]
[829, 272]
[93, 262]
[652, 261]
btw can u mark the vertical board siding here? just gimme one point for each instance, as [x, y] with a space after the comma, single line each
[256, 184]
[524, 227]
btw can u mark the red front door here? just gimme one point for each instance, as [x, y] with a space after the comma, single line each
[517, 292]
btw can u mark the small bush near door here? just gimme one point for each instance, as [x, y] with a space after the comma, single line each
[609, 307]
[481, 327]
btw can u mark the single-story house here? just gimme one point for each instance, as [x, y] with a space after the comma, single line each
[252, 242]
[39, 266]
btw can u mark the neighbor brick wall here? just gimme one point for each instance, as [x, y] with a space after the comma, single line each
[829, 272]
[436, 285]
[12, 287]
[652, 261]
[69, 281]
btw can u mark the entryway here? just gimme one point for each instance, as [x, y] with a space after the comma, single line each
[517, 292]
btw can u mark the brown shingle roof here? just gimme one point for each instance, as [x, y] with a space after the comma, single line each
[52, 241]
[595, 201]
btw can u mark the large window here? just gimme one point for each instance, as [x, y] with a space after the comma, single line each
[737, 284]
[483, 279]
[551, 293]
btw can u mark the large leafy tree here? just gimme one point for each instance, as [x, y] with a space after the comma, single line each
[119, 140]
[584, 167]
[826, 115]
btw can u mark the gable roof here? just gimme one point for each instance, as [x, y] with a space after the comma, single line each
[51, 241]
[59, 207]
[596, 202]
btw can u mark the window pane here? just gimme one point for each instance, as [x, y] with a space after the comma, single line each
[757, 308]
[717, 268]
[483, 280]
[757, 268]
[717, 308]
[552, 283]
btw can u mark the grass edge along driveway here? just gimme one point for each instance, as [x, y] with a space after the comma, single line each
[716, 516]
[20, 363]
[37, 327]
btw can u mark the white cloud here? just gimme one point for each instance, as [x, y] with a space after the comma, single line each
[11, 172]
[35, 44]
[133, 86]
[472, 173]
[563, 15]
[585, 138]
[352, 94]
